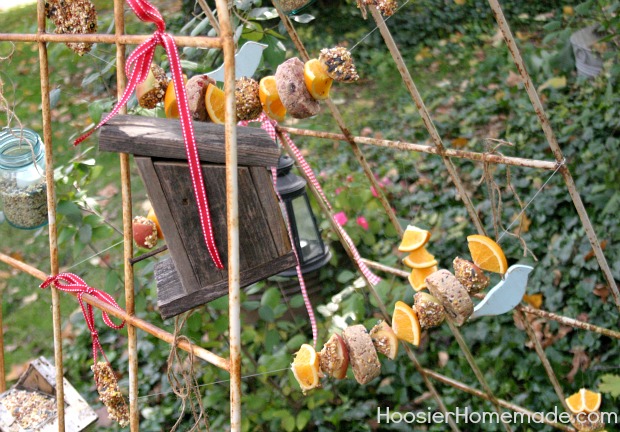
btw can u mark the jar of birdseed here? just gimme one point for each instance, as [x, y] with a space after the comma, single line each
[292, 7]
[22, 178]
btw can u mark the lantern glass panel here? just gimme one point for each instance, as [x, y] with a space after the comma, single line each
[310, 244]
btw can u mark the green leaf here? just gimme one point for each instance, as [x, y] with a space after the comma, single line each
[583, 8]
[345, 276]
[271, 298]
[272, 338]
[610, 384]
[266, 313]
[552, 26]
[71, 211]
[85, 233]
[297, 301]
[302, 419]
[555, 82]
[288, 423]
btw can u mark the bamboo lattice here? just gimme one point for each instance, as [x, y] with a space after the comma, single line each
[225, 41]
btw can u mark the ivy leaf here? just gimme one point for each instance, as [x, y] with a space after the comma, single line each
[610, 384]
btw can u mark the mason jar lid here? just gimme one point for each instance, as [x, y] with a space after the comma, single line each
[19, 147]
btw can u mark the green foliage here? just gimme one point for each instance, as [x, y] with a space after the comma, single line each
[610, 384]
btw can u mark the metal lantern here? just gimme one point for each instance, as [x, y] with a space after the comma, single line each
[312, 252]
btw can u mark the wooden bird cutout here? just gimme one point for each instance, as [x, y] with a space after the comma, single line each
[507, 294]
[247, 60]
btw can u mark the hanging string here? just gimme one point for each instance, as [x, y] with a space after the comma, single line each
[376, 27]
[271, 372]
[558, 166]
[184, 383]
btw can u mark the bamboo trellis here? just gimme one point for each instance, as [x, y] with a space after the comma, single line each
[225, 41]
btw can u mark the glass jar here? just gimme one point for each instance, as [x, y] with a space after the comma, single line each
[293, 7]
[22, 178]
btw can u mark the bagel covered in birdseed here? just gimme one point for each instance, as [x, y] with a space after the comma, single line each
[292, 90]
[451, 294]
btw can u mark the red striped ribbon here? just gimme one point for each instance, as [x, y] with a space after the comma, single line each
[71, 283]
[269, 125]
[137, 69]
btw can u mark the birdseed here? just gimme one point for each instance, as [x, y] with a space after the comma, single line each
[29, 408]
[24, 207]
[110, 394]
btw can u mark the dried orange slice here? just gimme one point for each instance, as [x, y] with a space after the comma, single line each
[405, 323]
[487, 254]
[420, 258]
[269, 98]
[317, 81]
[153, 217]
[418, 276]
[215, 101]
[584, 401]
[305, 367]
[414, 238]
[171, 107]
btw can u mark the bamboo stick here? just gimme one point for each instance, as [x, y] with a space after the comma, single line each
[426, 118]
[121, 314]
[555, 148]
[423, 148]
[130, 305]
[516, 408]
[51, 214]
[189, 41]
[357, 152]
[232, 216]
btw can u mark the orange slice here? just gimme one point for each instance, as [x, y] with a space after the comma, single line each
[414, 238]
[420, 258]
[418, 276]
[487, 254]
[405, 323]
[584, 401]
[153, 217]
[171, 107]
[215, 101]
[269, 98]
[305, 367]
[317, 81]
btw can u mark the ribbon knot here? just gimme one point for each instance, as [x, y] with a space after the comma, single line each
[72, 283]
[137, 69]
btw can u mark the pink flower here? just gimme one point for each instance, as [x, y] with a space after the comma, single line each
[338, 190]
[374, 192]
[341, 218]
[361, 221]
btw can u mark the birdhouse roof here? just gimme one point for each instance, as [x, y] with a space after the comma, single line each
[162, 138]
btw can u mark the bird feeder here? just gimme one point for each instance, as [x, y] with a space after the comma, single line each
[189, 278]
[30, 405]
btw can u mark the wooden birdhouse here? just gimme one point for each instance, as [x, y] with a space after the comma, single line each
[30, 405]
[190, 279]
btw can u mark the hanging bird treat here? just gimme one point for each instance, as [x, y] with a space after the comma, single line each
[247, 99]
[339, 63]
[292, 90]
[73, 17]
[152, 90]
[110, 394]
[470, 275]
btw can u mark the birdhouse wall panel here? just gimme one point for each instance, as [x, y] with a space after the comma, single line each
[271, 208]
[255, 240]
[169, 225]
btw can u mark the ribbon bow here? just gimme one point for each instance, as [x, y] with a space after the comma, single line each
[137, 69]
[71, 283]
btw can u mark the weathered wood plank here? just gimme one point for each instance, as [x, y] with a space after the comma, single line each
[168, 282]
[162, 138]
[271, 209]
[169, 226]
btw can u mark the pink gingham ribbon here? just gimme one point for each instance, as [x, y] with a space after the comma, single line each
[72, 283]
[137, 69]
[269, 125]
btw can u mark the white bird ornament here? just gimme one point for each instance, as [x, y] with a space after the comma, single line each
[247, 60]
[507, 294]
